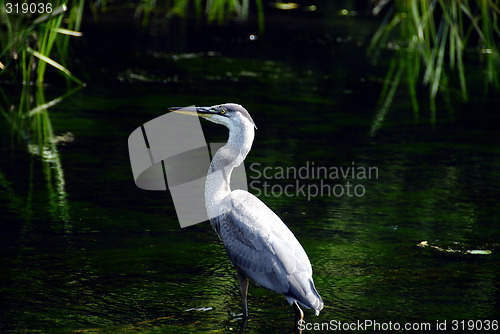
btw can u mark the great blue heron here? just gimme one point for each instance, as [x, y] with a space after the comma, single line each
[258, 243]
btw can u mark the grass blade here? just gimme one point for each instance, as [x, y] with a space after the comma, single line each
[54, 64]
[67, 32]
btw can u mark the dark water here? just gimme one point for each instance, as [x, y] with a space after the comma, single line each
[84, 250]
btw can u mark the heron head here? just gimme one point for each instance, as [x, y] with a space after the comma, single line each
[229, 114]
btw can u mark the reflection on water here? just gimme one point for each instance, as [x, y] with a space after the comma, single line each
[125, 265]
[30, 123]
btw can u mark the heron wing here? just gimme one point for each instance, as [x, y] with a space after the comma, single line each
[262, 247]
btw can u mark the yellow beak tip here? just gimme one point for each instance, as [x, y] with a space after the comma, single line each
[189, 112]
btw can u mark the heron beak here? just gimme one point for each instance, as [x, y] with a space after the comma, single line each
[193, 111]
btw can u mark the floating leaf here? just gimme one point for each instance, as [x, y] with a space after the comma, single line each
[478, 252]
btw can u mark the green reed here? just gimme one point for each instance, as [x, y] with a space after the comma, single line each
[213, 11]
[43, 35]
[428, 40]
[31, 45]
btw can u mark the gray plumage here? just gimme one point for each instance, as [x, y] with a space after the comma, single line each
[260, 245]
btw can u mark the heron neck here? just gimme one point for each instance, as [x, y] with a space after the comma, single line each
[241, 138]
[231, 155]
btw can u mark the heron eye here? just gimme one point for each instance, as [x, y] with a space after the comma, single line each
[222, 111]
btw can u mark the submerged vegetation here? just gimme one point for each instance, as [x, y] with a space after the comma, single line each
[429, 40]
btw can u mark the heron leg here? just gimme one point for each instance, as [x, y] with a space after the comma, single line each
[243, 282]
[299, 314]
